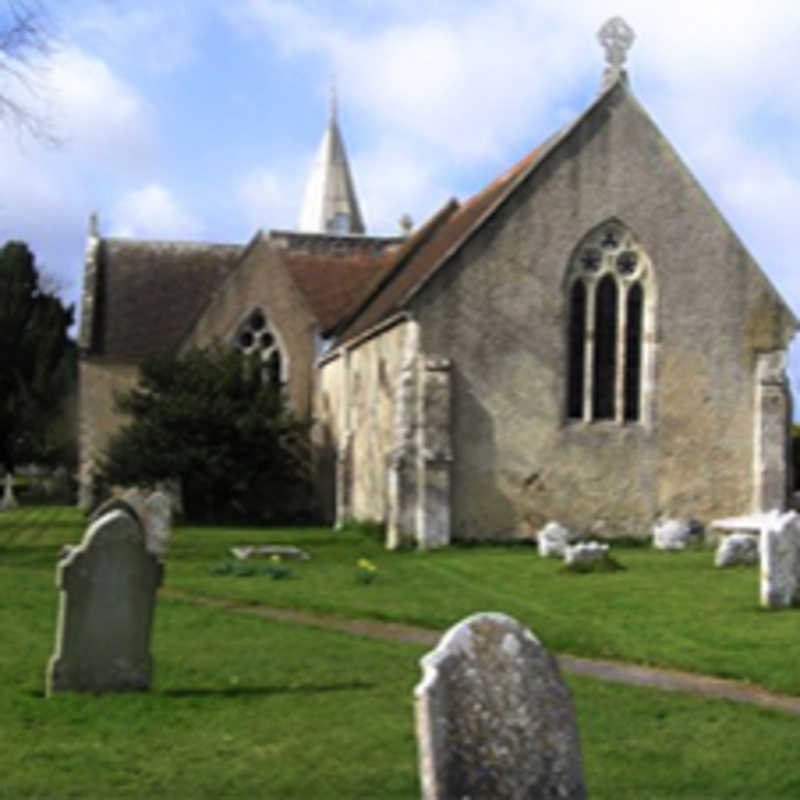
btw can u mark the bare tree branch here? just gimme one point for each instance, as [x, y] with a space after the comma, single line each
[27, 36]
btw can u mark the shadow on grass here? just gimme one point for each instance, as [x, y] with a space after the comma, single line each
[41, 557]
[239, 691]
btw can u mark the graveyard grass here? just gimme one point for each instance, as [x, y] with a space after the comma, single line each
[242, 707]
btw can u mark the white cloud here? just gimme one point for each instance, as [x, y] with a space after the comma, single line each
[391, 180]
[269, 197]
[97, 115]
[152, 212]
[467, 81]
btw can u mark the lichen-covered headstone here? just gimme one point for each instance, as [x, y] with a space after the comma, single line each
[780, 561]
[158, 522]
[736, 549]
[8, 500]
[671, 534]
[153, 511]
[586, 553]
[552, 540]
[108, 590]
[494, 718]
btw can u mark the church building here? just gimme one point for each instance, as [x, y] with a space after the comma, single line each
[586, 339]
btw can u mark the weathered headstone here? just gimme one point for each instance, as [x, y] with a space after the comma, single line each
[494, 718]
[153, 511]
[157, 522]
[173, 489]
[585, 553]
[108, 590]
[780, 561]
[9, 501]
[60, 483]
[552, 540]
[671, 534]
[736, 549]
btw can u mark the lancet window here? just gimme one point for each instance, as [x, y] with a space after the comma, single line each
[611, 301]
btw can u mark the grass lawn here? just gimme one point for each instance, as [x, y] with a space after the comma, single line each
[242, 707]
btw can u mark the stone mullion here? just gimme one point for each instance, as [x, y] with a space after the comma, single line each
[648, 345]
[588, 354]
[619, 375]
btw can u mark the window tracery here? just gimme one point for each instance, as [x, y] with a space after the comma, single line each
[255, 336]
[611, 296]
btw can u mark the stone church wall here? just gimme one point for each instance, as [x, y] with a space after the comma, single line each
[372, 368]
[499, 313]
[327, 433]
[99, 381]
[261, 282]
[355, 417]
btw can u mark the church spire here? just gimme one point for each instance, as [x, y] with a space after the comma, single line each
[329, 203]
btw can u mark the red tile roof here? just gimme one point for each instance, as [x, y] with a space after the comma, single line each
[332, 284]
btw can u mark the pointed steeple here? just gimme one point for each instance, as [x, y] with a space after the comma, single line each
[329, 202]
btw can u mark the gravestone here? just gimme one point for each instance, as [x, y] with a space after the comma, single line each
[153, 511]
[552, 540]
[494, 718]
[8, 501]
[60, 483]
[780, 561]
[671, 534]
[586, 553]
[736, 549]
[108, 589]
[157, 522]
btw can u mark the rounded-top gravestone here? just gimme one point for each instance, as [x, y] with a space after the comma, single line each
[494, 718]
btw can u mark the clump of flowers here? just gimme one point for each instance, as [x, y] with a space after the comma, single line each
[366, 571]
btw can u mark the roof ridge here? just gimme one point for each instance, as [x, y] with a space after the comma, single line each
[397, 259]
[516, 175]
[470, 216]
[156, 242]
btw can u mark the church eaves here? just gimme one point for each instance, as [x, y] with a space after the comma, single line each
[329, 203]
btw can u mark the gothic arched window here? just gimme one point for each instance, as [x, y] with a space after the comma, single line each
[255, 336]
[611, 295]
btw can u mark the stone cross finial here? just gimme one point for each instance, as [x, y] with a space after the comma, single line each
[616, 37]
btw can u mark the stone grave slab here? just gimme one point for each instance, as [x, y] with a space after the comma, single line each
[494, 718]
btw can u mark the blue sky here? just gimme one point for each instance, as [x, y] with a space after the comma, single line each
[199, 119]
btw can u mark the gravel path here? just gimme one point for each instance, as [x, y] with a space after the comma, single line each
[615, 671]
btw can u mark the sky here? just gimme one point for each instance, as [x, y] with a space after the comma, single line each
[199, 119]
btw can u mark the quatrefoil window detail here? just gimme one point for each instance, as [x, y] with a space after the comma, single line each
[255, 337]
[626, 262]
[591, 259]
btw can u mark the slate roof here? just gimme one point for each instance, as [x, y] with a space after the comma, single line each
[148, 293]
